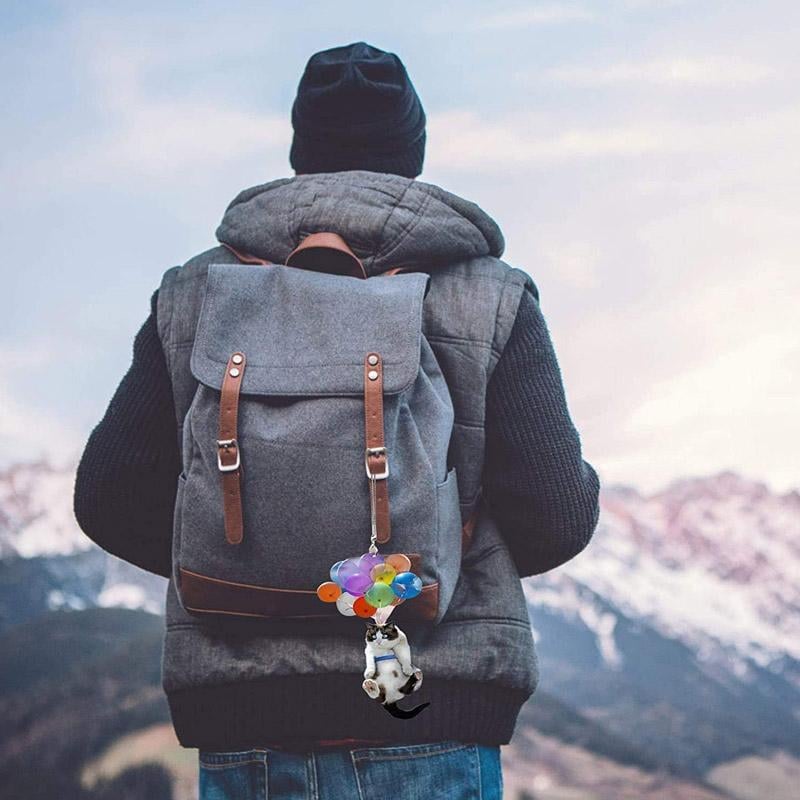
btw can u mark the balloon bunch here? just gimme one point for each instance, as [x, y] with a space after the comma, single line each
[370, 585]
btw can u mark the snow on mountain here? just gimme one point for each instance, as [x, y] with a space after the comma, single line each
[36, 516]
[47, 561]
[713, 562]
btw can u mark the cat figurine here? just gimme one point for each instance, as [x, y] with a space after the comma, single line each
[389, 675]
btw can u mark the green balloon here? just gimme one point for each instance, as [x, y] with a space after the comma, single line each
[380, 595]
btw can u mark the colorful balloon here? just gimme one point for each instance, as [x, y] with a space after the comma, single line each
[328, 591]
[358, 584]
[380, 595]
[344, 602]
[406, 585]
[347, 569]
[362, 608]
[400, 562]
[370, 585]
[383, 573]
[369, 560]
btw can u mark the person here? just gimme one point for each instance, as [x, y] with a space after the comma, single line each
[271, 707]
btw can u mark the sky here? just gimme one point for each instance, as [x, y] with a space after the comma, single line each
[640, 156]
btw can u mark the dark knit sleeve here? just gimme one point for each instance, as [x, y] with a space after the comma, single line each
[542, 494]
[126, 480]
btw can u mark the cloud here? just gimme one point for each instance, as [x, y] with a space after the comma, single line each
[575, 263]
[665, 250]
[28, 432]
[520, 18]
[145, 136]
[648, 5]
[706, 72]
[658, 220]
[466, 140]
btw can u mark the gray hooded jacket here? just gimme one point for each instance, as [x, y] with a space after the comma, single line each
[241, 683]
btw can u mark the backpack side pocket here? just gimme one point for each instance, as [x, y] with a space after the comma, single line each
[448, 560]
[177, 522]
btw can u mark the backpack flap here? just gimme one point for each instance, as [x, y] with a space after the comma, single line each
[306, 333]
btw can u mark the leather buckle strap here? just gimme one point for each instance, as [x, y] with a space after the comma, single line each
[376, 459]
[229, 458]
[224, 448]
[376, 452]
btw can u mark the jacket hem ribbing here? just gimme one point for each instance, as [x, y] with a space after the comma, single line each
[297, 712]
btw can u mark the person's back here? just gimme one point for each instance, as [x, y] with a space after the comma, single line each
[286, 693]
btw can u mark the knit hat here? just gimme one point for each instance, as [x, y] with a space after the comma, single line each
[356, 108]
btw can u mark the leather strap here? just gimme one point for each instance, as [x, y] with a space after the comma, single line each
[375, 457]
[326, 252]
[228, 454]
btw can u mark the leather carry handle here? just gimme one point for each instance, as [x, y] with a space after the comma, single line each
[326, 252]
[320, 252]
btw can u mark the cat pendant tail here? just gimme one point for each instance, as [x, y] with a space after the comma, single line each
[389, 675]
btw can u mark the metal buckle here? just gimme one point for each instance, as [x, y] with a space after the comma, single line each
[376, 451]
[226, 444]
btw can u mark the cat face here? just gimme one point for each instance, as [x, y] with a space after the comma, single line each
[382, 634]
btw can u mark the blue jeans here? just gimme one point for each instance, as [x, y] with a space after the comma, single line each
[443, 770]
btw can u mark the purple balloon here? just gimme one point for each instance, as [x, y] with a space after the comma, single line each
[358, 584]
[347, 569]
[368, 561]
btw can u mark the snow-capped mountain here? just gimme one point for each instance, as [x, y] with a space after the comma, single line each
[677, 631]
[47, 563]
[36, 512]
[713, 562]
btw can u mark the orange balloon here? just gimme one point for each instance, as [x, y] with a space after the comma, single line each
[363, 608]
[328, 591]
[400, 562]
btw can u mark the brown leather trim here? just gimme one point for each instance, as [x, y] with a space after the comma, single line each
[373, 418]
[245, 258]
[326, 252]
[203, 594]
[228, 449]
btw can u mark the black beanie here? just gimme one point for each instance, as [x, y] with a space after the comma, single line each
[356, 108]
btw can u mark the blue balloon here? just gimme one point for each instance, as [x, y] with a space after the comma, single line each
[406, 585]
[335, 570]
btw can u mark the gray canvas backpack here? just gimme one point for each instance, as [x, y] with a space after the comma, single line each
[317, 393]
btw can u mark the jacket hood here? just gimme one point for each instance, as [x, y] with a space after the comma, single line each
[388, 221]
